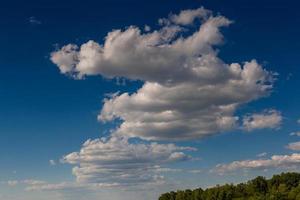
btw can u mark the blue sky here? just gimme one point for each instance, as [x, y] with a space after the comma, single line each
[46, 114]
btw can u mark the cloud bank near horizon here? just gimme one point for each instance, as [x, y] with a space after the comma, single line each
[291, 161]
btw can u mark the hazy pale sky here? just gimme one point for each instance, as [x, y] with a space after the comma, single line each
[128, 99]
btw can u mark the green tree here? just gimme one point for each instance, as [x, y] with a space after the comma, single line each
[280, 187]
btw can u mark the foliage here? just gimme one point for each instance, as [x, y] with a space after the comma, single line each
[285, 186]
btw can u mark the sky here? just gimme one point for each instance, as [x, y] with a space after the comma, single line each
[127, 99]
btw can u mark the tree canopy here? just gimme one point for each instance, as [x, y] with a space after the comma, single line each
[285, 186]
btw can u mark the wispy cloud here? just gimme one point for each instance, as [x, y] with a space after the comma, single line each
[276, 161]
[263, 154]
[52, 162]
[297, 133]
[34, 21]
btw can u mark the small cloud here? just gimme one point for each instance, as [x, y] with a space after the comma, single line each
[147, 28]
[32, 20]
[120, 81]
[267, 119]
[295, 146]
[298, 121]
[52, 162]
[297, 133]
[195, 171]
[263, 154]
[30, 182]
[12, 183]
[160, 169]
[186, 17]
[289, 76]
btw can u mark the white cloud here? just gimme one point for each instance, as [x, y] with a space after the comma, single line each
[74, 190]
[35, 185]
[183, 111]
[298, 121]
[157, 56]
[26, 182]
[263, 154]
[195, 171]
[267, 119]
[294, 146]
[33, 182]
[65, 58]
[32, 20]
[297, 133]
[188, 91]
[187, 17]
[147, 28]
[276, 161]
[12, 182]
[68, 186]
[52, 162]
[165, 169]
[115, 160]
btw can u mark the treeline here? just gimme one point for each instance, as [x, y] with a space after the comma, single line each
[280, 187]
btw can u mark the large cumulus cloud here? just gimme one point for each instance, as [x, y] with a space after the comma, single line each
[188, 91]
